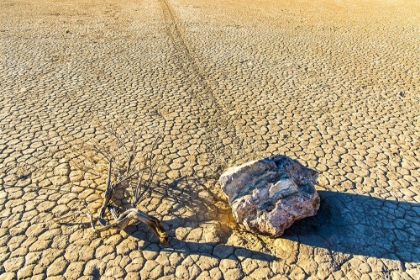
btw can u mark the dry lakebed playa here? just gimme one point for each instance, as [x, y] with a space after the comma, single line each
[210, 84]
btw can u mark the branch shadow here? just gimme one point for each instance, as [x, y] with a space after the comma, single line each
[218, 250]
[195, 203]
[362, 225]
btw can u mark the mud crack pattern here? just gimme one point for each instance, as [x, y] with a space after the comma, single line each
[334, 84]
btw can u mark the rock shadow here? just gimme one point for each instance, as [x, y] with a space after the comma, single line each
[362, 225]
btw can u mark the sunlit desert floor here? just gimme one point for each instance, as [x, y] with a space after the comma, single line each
[334, 84]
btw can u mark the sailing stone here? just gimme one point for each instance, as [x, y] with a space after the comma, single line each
[268, 195]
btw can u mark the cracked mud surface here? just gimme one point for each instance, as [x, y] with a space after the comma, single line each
[334, 84]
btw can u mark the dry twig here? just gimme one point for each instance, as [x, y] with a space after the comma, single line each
[126, 170]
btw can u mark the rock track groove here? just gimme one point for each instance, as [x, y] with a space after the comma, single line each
[213, 113]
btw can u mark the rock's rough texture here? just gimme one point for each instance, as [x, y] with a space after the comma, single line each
[268, 195]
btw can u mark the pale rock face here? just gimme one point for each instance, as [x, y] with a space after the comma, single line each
[268, 195]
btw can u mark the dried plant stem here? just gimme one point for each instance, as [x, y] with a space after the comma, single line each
[125, 170]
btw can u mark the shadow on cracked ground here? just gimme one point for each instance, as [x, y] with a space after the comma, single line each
[199, 222]
[348, 223]
[217, 250]
[362, 225]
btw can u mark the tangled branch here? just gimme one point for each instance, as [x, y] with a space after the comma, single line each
[126, 169]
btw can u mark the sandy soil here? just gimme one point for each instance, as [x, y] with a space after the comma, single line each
[334, 84]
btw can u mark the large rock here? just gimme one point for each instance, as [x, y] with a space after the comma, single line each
[269, 194]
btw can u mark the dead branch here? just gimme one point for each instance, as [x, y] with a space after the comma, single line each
[137, 216]
[126, 169]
